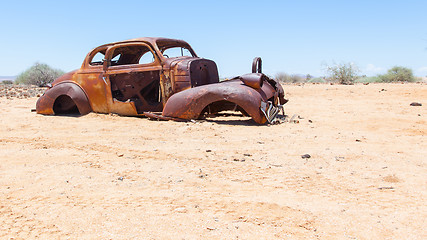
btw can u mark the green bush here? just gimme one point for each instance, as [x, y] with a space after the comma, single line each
[343, 73]
[368, 79]
[39, 74]
[286, 78]
[398, 74]
[7, 82]
[316, 80]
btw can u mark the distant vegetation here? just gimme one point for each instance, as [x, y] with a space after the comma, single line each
[294, 78]
[7, 82]
[398, 74]
[39, 74]
[348, 73]
[343, 73]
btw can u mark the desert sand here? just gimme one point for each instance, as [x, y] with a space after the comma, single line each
[110, 177]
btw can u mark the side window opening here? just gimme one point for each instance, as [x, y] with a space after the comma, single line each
[97, 59]
[132, 55]
[146, 58]
[139, 86]
[115, 60]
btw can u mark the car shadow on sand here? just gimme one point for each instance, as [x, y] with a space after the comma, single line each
[224, 119]
[67, 115]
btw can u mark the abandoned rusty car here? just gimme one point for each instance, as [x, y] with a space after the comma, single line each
[159, 78]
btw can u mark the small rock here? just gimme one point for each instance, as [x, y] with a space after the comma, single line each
[305, 156]
[247, 154]
[208, 150]
[310, 121]
[415, 104]
[358, 140]
[120, 178]
[120, 154]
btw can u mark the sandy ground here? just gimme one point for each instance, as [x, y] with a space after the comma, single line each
[110, 177]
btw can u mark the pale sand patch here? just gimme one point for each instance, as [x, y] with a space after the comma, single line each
[110, 177]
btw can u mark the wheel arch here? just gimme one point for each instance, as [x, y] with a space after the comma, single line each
[45, 104]
[190, 103]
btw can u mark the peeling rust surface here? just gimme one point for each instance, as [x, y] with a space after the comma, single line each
[159, 78]
[68, 89]
[191, 103]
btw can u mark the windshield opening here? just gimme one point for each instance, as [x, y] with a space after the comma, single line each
[174, 48]
[176, 52]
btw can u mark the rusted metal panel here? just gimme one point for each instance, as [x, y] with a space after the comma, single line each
[253, 80]
[45, 104]
[257, 65]
[189, 104]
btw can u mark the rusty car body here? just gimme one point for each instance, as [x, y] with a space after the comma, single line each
[159, 78]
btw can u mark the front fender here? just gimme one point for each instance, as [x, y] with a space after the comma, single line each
[189, 104]
[45, 103]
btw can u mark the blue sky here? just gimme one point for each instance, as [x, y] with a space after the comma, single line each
[290, 36]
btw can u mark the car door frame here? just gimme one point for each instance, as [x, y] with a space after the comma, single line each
[126, 108]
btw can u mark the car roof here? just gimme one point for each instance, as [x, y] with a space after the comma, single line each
[151, 40]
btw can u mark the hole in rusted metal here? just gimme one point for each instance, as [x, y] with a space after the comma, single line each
[142, 88]
[65, 105]
[220, 106]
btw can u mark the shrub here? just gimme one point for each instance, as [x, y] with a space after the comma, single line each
[398, 74]
[365, 79]
[7, 82]
[39, 74]
[344, 73]
[316, 80]
[286, 78]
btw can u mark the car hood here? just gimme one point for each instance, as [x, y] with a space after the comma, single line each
[200, 71]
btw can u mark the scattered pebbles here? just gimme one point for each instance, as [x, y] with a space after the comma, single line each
[10, 91]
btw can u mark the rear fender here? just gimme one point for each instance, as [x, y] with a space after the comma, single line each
[190, 103]
[45, 103]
